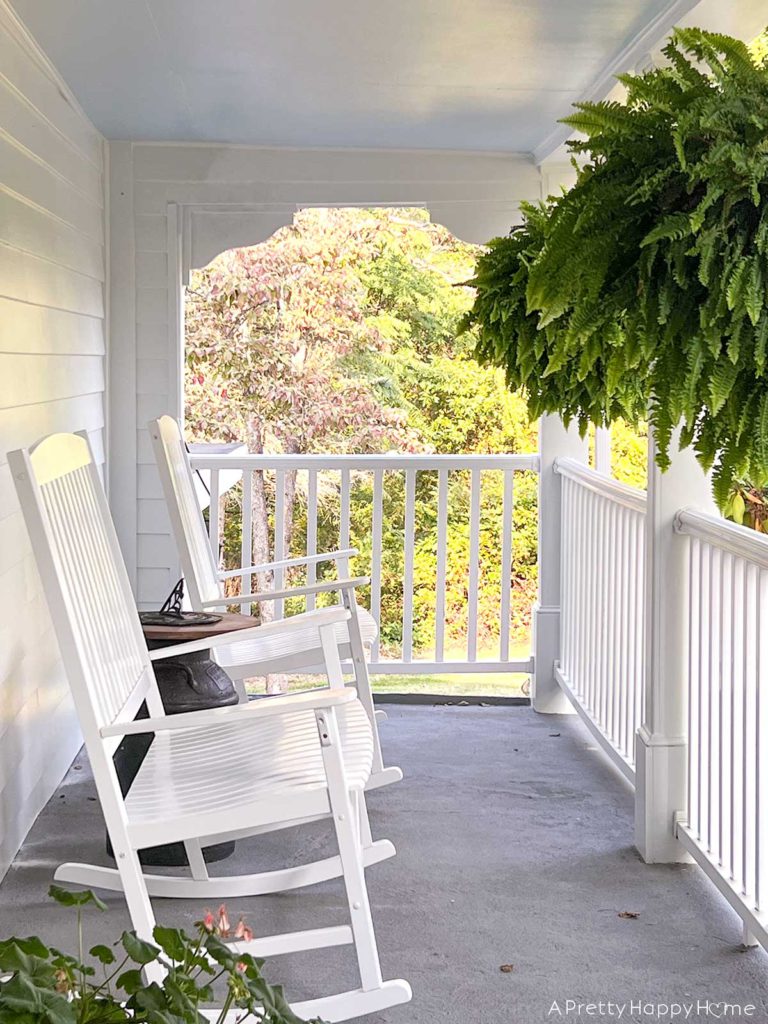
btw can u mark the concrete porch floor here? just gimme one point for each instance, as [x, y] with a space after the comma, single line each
[514, 841]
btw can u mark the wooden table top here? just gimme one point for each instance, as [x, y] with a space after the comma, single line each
[180, 634]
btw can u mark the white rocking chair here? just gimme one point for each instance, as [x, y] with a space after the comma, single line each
[261, 657]
[292, 759]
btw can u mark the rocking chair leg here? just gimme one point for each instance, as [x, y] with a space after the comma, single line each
[344, 820]
[197, 866]
[364, 825]
[139, 905]
[362, 679]
[242, 695]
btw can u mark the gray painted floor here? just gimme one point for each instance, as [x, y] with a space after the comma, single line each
[514, 843]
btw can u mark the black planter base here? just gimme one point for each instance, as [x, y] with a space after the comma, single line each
[190, 683]
[173, 855]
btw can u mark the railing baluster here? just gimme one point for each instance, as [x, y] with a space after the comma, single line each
[214, 511]
[409, 547]
[761, 604]
[344, 522]
[246, 536]
[640, 627]
[744, 721]
[474, 565]
[441, 554]
[311, 532]
[612, 637]
[622, 632]
[726, 661]
[694, 670]
[636, 615]
[566, 551]
[376, 541]
[507, 510]
[580, 610]
[279, 537]
[738, 565]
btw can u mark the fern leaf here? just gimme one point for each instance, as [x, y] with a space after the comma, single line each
[675, 226]
[724, 375]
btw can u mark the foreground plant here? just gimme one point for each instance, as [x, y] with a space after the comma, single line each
[42, 985]
[644, 287]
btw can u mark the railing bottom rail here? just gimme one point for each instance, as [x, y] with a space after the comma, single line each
[603, 740]
[755, 927]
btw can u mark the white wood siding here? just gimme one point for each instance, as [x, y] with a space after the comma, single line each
[238, 195]
[52, 376]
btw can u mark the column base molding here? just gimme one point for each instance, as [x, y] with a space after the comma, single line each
[546, 696]
[660, 794]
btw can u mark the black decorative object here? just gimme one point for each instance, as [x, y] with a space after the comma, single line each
[175, 599]
[171, 614]
[182, 619]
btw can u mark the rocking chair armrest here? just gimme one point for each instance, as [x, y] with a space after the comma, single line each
[327, 586]
[314, 700]
[321, 617]
[289, 563]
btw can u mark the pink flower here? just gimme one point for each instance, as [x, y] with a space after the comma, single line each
[223, 924]
[242, 931]
[208, 921]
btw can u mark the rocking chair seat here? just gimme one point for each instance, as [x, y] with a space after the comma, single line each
[194, 781]
[275, 653]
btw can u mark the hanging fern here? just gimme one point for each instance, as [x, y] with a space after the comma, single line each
[643, 290]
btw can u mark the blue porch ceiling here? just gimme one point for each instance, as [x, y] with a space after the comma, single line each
[442, 74]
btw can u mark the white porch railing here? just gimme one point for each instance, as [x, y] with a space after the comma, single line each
[344, 470]
[601, 668]
[724, 826]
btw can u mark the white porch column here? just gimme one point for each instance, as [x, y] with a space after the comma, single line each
[661, 739]
[554, 441]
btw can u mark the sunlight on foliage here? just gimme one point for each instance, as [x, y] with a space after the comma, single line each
[340, 334]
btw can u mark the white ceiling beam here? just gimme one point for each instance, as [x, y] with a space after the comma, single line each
[634, 53]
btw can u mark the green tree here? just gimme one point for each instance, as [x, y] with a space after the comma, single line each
[341, 334]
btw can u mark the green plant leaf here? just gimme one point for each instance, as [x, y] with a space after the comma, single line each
[130, 981]
[81, 898]
[103, 954]
[138, 950]
[172, 941]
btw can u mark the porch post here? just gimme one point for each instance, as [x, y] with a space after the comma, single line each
[554, 441]
[661, 739]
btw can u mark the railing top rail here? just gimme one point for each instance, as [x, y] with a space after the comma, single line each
[621, 494]
[366, 462]
[721, 533]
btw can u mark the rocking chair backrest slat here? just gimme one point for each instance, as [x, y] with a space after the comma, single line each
[197, 562]
[86, 583]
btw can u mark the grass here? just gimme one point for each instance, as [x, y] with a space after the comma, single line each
[463, 684]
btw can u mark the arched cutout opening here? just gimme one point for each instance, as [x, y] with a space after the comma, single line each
[340, 337]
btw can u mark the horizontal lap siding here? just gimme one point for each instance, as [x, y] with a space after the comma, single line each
[52, 378]
[475, 195]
